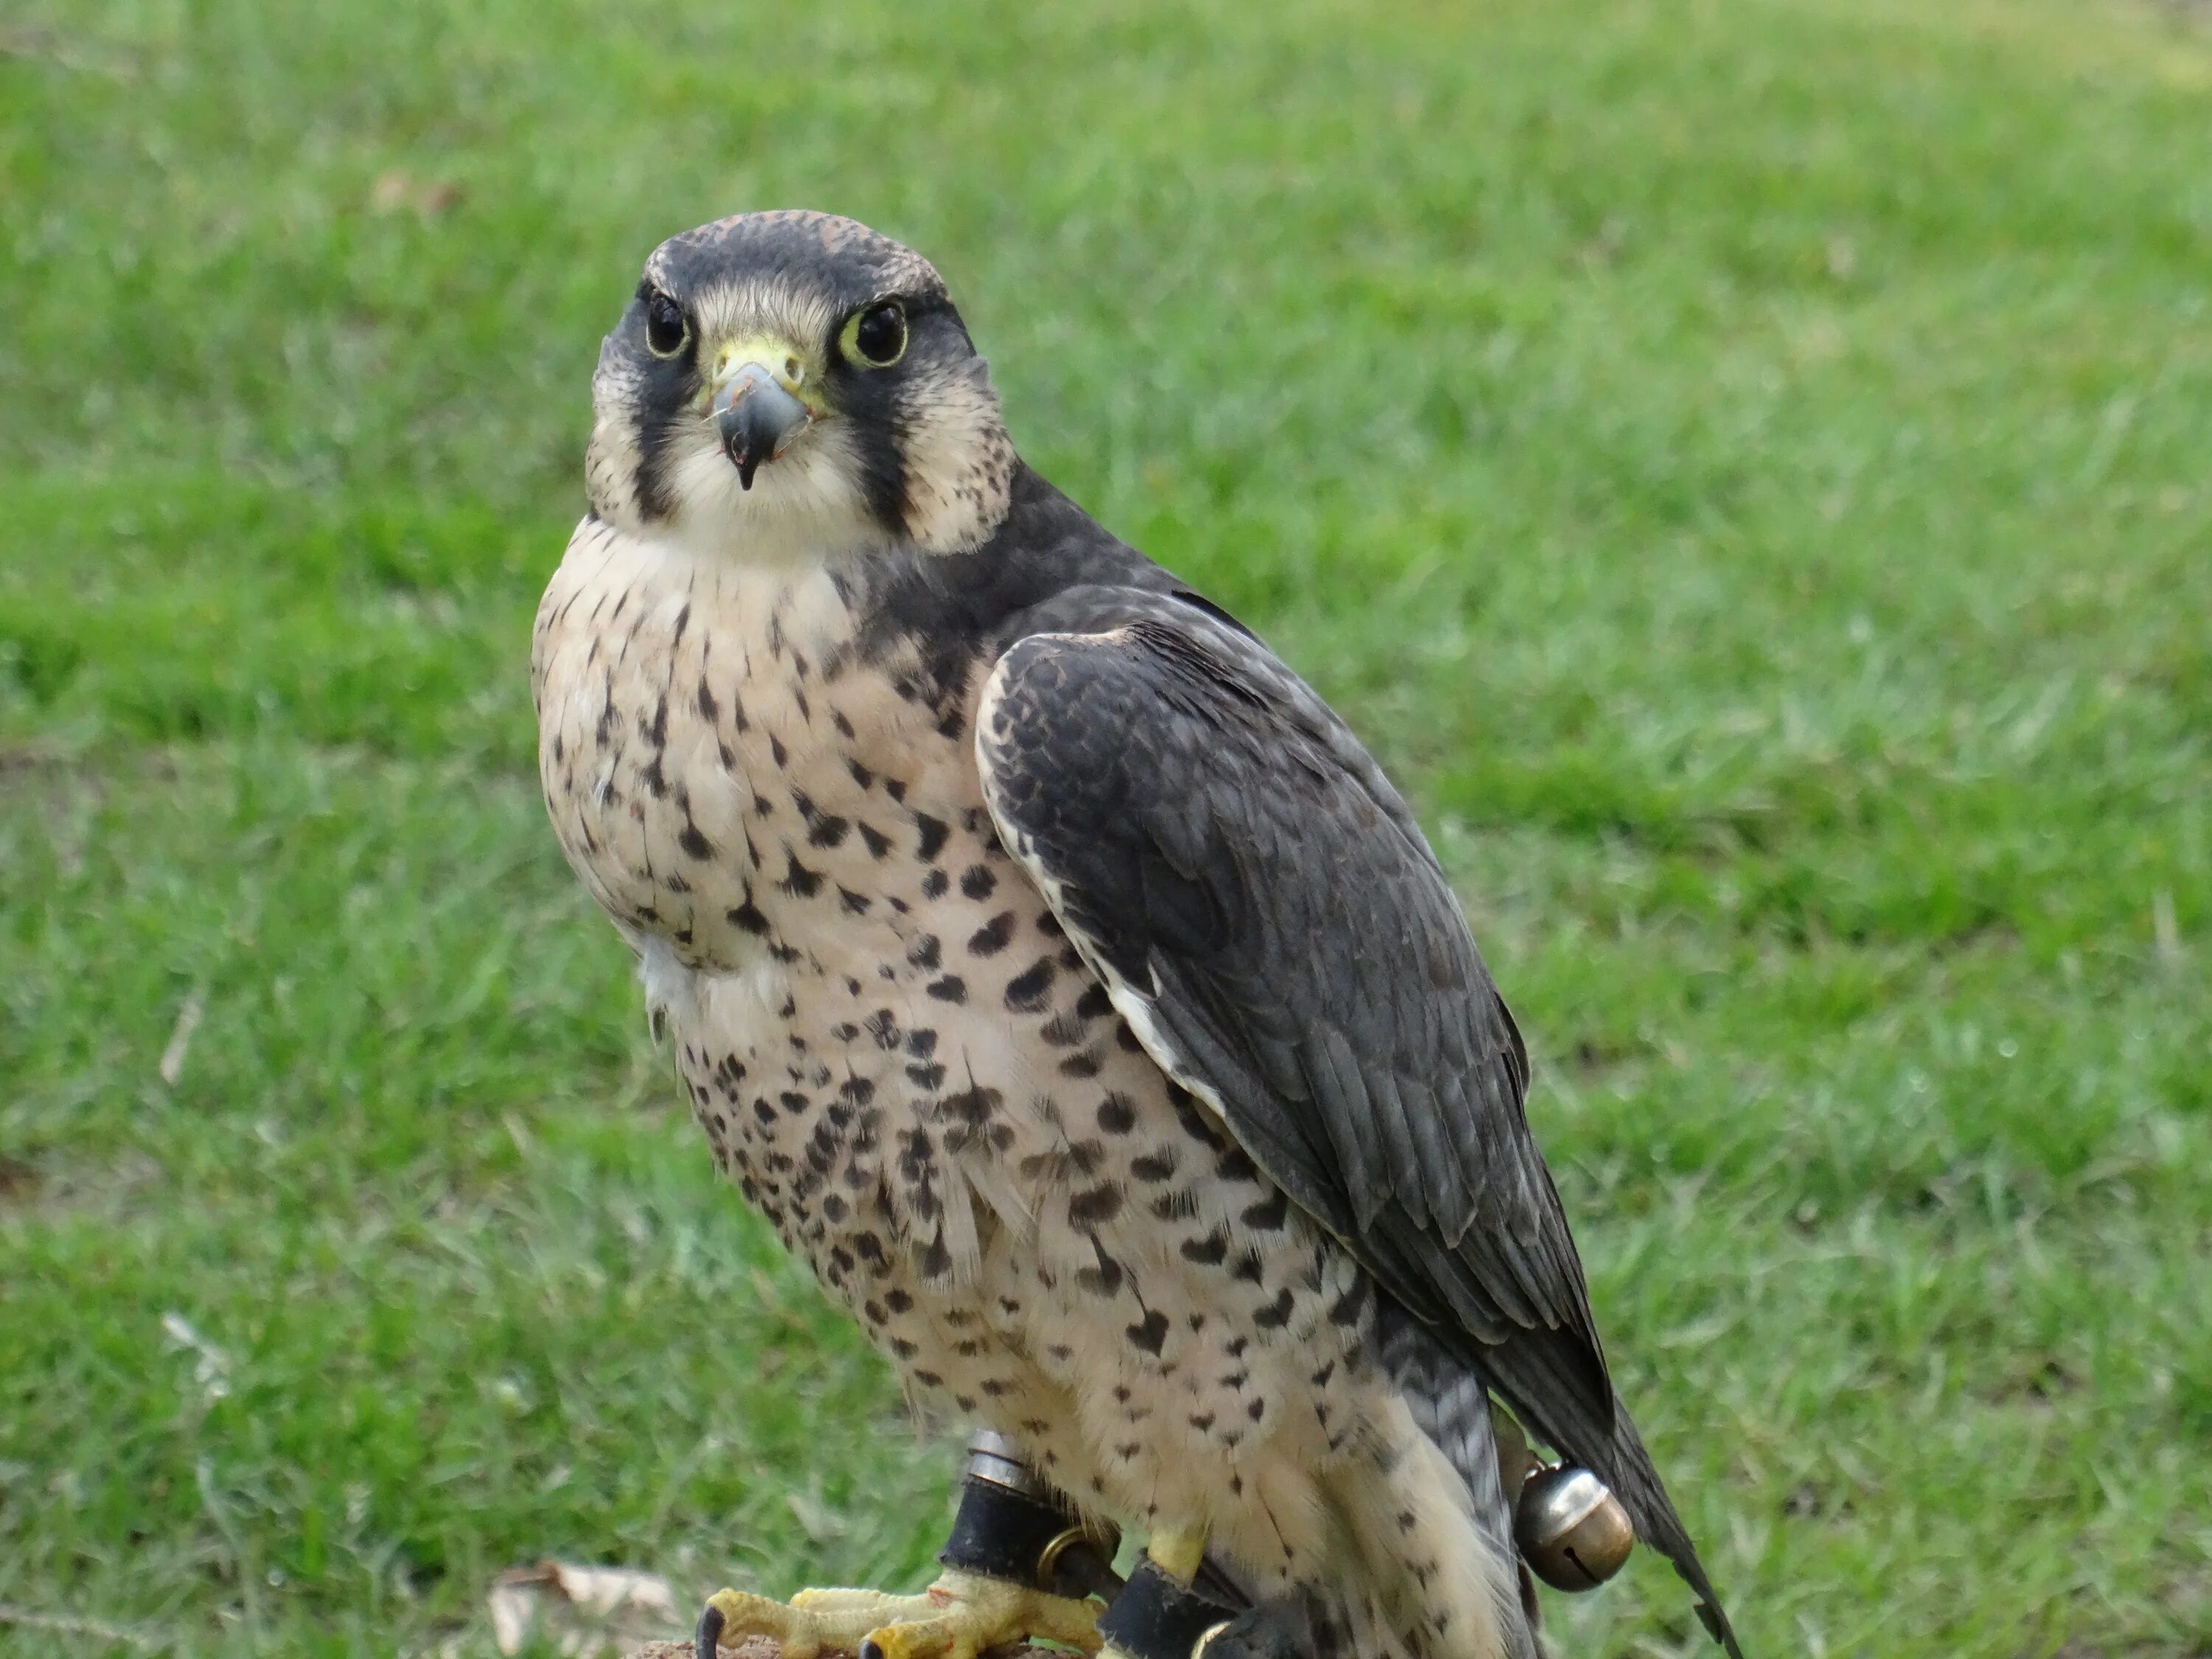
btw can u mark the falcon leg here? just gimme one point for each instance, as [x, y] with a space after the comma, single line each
[1017, 1566]
[1177, 1551]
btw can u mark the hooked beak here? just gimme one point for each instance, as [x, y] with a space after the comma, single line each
[756, 416]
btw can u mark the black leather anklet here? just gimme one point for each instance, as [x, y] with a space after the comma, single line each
[1156, 1618]
[1011, 1527]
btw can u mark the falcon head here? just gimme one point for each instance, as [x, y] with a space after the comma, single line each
[793, 386]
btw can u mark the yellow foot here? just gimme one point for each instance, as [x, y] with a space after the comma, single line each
[956, 1618]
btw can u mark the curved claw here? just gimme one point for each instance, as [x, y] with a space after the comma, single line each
[731, 1616]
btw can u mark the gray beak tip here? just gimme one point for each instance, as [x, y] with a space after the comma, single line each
[757, 419]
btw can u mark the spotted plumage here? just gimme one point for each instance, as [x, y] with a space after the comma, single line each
[1047, 963]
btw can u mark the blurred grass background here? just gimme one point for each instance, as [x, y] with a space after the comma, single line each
[1742, 465]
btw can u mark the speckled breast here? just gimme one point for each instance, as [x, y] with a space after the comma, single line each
[723, 770]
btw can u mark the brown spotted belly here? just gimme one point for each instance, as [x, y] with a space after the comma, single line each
[1042, 1232]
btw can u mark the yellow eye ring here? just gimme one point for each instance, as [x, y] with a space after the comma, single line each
[875, 336]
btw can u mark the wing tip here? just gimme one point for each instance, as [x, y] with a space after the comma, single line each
[1678, 1550]
[1657, 1524]
[1716, 1621]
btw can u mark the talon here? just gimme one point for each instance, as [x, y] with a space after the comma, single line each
[731, 1616]
[871, 1649]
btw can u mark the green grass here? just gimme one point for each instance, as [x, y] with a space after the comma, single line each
[1743, 466]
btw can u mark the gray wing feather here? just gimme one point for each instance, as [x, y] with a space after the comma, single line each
[1216, 841]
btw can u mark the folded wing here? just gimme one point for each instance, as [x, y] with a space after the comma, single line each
[1273, 925]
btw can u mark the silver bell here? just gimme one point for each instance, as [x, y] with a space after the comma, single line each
[1571, 1530]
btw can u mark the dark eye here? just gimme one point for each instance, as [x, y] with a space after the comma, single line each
[877, 336]
[665, 327]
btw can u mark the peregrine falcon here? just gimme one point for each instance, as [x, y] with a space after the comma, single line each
[1061, 978]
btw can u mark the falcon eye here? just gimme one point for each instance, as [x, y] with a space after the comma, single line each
[877, 336]
[665, 330]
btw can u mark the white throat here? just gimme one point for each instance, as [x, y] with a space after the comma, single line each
[803, 510]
